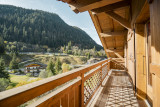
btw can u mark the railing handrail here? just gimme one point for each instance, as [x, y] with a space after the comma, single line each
[30, 91]
[55, 93]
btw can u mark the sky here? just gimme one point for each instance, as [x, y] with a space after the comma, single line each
[81, 20]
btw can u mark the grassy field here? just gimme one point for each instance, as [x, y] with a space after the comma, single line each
[19, 80]
[70, 59]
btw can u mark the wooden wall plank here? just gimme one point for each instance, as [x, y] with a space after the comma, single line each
[64, 101]
[130, 55]
[140, 60]
[72, 98]
[156, 91]
[55, 104]
[77, 96]
[155, 49]
[155, 69]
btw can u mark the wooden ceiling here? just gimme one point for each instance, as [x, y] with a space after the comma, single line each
[111, 19]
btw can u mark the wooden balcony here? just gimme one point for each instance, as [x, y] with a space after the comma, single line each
[94, 85]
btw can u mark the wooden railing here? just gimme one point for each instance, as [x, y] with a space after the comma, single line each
[71, 89]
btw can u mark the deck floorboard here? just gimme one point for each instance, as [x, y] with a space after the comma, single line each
[118, 92]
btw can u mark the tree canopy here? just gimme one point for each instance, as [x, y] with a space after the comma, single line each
[2, 47]
[3, 73]
[41, 28]
[50, 67]
[58, 65]
[14, 64]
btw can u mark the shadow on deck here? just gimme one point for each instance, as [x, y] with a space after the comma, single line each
[118, 92]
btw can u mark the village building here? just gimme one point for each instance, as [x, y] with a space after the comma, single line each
[35, 68]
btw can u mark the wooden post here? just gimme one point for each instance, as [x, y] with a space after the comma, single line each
[82, 89]
[109, 64]
[101, 75]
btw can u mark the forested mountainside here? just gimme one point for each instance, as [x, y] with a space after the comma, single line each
[40, 28]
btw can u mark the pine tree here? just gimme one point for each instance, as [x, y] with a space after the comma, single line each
[2, 48]
[4, 83]
[69, 45]
[13, 64]
[94, 49]
[3, 73]
[88, 56]
[42, 28]
[58, 66]
[50, 67]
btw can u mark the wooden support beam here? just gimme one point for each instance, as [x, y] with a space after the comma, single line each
[66, 1]
[114, 50]
[99, 30]
[125, 23]
[115, 33]
[111, 48]
[113, 38]
[119, 59]
[118, 55]
[98, 4]
[112, 7]
[73, 8]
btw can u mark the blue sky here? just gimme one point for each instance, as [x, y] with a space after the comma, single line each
[81, 20]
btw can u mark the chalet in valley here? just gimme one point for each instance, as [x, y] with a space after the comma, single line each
[35, 68]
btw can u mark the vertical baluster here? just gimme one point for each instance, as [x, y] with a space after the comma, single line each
[101, 74]
[109, 64]
[82, 89]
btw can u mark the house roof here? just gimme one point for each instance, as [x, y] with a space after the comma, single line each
[35, 64]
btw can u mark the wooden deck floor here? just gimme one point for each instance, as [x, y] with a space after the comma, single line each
[118, 92]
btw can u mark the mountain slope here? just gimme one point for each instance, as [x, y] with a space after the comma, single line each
[42, 28]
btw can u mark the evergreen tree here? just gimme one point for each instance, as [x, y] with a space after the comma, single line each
[64, 48]
[58, 66]
[2, 48]
[94, 49]
[50, 67]
[3, 73]
[69, 45]
[4, 83]
[69, 48]
[13, 64]
[88, 56]
[42, 28]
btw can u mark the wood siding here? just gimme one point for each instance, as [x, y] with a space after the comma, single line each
[140, 60]
[130, 55]
[155, 50]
